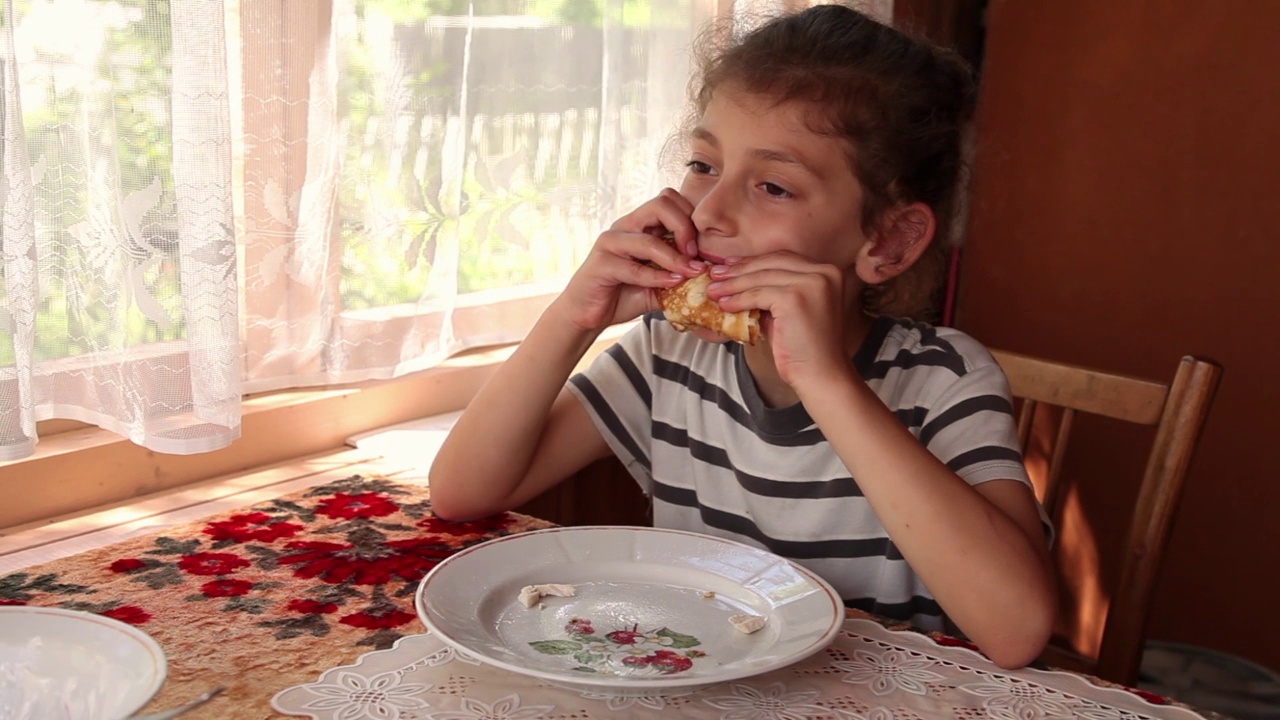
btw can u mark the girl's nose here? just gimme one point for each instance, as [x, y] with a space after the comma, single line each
[716, 212]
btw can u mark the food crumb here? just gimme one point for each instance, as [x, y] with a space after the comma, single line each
[746, 623]
[709, 594]
[531, 594]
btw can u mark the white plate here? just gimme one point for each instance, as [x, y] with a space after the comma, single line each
[66, 664]
[660, 597]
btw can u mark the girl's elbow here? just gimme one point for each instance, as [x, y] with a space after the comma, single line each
[455, 497]
[445, 507]
[1017, 652]
[446, 504]
[1023, 643]
[446, 511]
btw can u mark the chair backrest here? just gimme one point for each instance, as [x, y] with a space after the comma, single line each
[1048, 395]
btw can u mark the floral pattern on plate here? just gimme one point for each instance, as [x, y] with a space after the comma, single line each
[623, 651]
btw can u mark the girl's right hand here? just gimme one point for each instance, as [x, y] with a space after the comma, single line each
[630, 263]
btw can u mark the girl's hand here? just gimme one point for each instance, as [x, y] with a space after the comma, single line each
[804, 311]
[621, 276]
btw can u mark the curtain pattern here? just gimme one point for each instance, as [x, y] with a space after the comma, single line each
[354, 189]
[119, 288]
[419, 177]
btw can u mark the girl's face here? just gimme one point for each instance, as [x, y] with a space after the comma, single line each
[761, 181]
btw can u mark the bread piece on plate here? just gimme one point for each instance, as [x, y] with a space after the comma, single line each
[746, 623]
[531, 594]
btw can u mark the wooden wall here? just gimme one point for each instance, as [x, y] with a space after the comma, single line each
[1126, 193]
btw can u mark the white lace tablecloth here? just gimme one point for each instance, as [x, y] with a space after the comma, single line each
[867, 673]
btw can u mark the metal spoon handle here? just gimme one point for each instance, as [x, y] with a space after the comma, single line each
[181, 709]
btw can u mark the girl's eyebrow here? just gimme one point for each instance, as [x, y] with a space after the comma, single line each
[703, 134]
[765, 154]
[782, 157]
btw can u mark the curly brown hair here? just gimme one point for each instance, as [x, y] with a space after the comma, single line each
[903, 105]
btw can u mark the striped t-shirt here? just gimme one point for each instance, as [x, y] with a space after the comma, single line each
[685, 418]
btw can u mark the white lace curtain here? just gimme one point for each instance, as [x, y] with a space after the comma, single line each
[207, 198]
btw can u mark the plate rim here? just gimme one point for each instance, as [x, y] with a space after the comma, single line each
[142, 638]
[638, 684]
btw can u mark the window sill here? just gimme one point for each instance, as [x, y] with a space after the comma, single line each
[57, 537]
[82, 469]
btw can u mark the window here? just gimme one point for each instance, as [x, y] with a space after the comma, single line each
[209, 199]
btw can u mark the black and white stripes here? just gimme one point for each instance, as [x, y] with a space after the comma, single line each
[685, 417]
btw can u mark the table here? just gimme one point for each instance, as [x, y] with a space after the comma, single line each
[307, 600]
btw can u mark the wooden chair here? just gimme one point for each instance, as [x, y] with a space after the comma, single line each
[1048, 395]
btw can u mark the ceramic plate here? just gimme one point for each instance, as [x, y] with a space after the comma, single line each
[76, 665]
[651, 613]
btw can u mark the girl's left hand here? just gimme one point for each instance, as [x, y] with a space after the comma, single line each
[803, 306]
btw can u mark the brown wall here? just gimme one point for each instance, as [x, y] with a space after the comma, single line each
[1126, 194]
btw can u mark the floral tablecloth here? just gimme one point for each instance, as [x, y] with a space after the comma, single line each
[269, 596]
[308, 599]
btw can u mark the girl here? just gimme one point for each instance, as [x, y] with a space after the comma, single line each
[879, 452]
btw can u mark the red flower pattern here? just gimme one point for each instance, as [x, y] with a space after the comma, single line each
[131, 614]
[951, 641]
[226, 587]
[376, 562]
[212, 563]
[1150, 697]
[312, 607]
[248, 527]
[667, 661]
[362, 505]
[377, 620]
[124, 565]
[340, 563]
[483, 526]
[625, 637]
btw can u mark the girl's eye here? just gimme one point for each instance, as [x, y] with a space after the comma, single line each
[698, 167]
[775, 190]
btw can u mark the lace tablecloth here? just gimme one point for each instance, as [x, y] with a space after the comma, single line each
[868, 673]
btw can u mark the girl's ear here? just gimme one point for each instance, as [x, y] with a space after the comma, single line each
[904, 235]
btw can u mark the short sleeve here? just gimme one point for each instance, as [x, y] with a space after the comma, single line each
[616, 389]
[971, 428]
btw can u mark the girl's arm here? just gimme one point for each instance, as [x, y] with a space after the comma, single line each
[980, 549]
[523, 433]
